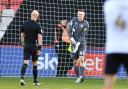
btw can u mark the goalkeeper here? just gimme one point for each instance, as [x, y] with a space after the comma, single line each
[31, 39]
[77, 30]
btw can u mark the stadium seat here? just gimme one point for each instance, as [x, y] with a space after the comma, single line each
[6, 19]
[8, 14]
[14, 4]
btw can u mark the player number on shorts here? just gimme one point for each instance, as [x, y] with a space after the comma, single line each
[81, 52]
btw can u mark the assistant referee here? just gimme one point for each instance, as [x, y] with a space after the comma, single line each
[31, 40]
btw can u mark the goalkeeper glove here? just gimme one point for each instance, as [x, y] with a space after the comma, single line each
[73, 41]
[76, 47]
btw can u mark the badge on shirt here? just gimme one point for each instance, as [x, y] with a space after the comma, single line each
[81, 25]
[42, 31]
[85, 29]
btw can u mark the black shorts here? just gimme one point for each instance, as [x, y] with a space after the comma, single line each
[30, 50]
[80, 52]
[113, 62]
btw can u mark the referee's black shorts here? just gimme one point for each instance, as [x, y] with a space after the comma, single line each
[113, 62]
[30, 50]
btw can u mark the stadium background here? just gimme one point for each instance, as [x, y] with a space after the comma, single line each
[51, 12]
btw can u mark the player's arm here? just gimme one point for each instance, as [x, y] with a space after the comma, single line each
[40, 38]
[70, 32]
[22, 36]
[39, 41]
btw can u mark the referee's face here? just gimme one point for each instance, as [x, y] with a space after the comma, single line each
[80, 15]
[35, 14]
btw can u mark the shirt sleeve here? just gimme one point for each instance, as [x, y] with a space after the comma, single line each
[40, 31]
[83, 33]
[70, 28]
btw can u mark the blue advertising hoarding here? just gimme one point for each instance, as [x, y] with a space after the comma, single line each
[11, 59]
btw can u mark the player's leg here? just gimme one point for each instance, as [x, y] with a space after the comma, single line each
[109, 81]
[25, 64]
[35, 73]
[125, 62]
[76, 67]
[64, 59]
[79, 69]
[60, 59]
[113, 62]
[35, 55]
[75, 63]
[80, 61]
[23, 71]
[81, 58]
[69, 59]
[24, 67]
[78, 64]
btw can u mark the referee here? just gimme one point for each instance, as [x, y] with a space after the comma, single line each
[31, 39]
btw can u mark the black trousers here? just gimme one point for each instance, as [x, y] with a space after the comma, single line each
[65, 61]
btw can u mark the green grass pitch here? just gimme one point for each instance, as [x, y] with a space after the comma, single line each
[58, 83]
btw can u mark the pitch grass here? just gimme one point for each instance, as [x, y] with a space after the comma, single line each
[58, 83]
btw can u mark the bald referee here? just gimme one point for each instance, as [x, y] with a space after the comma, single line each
[116, 19]
[31, 39]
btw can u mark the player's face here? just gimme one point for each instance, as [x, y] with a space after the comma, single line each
[80, 15]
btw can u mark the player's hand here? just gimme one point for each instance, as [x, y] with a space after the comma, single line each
[59, 25]
[38, 52]
[76, 47]
[39, 47]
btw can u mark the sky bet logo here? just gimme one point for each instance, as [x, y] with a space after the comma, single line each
[92, 62]
[46, 62]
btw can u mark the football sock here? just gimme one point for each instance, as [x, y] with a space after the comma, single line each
[35, 73]
[23, 70]
[76, 68]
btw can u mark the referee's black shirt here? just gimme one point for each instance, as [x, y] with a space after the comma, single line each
[31, 29]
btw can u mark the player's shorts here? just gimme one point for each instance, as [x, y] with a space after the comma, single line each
[113, 62]
[80, 52]
[30, 50]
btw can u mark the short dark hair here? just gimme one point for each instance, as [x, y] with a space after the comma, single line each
[81, 10]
